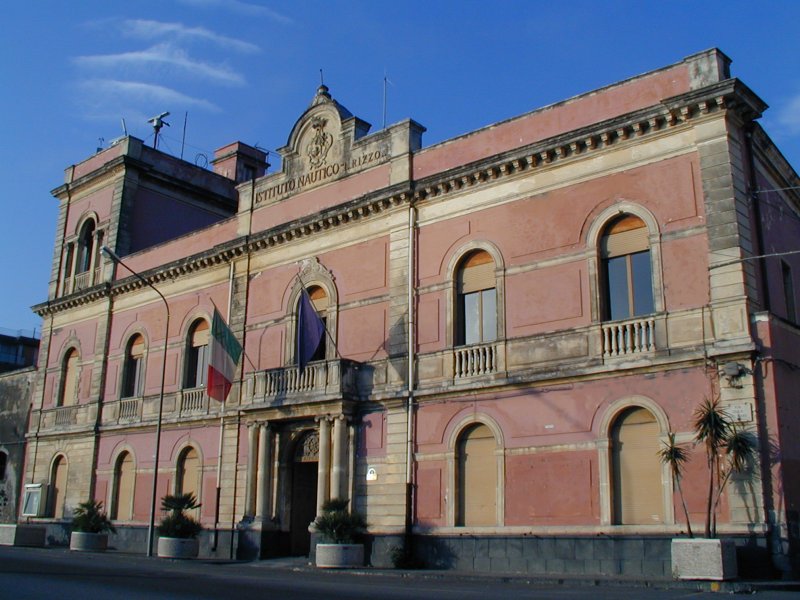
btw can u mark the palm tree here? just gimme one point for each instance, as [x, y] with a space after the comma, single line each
[728, 450]
[676, 457]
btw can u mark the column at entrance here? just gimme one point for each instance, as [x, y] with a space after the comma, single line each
[339, 469]
[264, 479]
[252, 463]
[323, 473]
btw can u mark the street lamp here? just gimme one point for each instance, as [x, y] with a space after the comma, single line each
[151, 527]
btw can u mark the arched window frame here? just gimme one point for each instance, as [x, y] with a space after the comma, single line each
[453, 439]
[452, 300]
[593, 241]
[194, 364]
[81, 253]
[179, 461]
[114, 499]
[139, 385]
[604, 449]
[313, 275]
[61, 398]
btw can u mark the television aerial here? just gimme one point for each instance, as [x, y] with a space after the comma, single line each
[158, 122]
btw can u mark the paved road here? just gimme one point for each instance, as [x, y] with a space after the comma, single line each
[33, 573]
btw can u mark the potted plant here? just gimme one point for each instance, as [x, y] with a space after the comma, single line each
[340, 530]
[178, 530]
[728, 450]
[90, 527]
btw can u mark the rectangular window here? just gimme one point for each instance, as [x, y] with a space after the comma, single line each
[788, 292]
[617, 293]
[641, 273]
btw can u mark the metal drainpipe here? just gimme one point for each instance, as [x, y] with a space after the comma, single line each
[411, 375]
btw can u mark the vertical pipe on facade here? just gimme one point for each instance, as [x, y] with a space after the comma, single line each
[50, 329]
[411, 358]
[244, 353]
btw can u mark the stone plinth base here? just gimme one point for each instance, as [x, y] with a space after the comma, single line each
[23, 535]
[703, 559]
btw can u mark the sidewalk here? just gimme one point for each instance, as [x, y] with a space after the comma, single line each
[302, 564]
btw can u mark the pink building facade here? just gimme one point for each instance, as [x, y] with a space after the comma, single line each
[517, 318]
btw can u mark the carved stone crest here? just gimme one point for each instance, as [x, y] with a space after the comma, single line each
[317, 149]
[307, 449]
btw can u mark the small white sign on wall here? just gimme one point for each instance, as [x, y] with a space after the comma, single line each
[372, 474]
[739, 412]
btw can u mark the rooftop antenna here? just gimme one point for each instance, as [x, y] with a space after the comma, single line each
[385, 81]
[183, 141]
[100, 142]
[124, 127]
[158, 122]
[321, 82]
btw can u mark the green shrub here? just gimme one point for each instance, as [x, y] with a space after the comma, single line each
[177, 524]
[90, 517]
[337, 525]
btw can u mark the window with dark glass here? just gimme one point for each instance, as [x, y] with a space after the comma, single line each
[3, 463]
[477, 300]
[133, 369]
[627, 279]
[85, 247]
[197, 355]
[788, 292]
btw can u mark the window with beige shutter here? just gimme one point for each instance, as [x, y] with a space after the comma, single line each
[68, 394]
[124, 485]
[476, 319]
[636, 469]
[627, 279]
[58, 487]
[476, 477]
[189, 479]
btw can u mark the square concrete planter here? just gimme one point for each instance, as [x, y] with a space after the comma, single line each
[23, 535]
[83, 541]
[703, 559]
[178, 547]
[340, 556]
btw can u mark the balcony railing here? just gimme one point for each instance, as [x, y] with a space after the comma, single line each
[623, 338]
[66, 415]
[84, 280]
[472, 361]
[288, 385]
[130, 409]
[193, 400]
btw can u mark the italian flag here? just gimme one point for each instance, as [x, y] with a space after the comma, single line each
[225, 353]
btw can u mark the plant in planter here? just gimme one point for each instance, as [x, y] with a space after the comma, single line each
[728, 450]
[178, 530]
[90, 527]
[340, 530]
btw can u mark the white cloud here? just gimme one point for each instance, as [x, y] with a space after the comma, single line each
[789, 115]
[240, 7]
[163, 54]
[147, 29]
[99, 92]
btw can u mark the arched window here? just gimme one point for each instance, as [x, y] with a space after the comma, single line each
[85, 247]
[320, 302]
[133, 368]
[68, 394]
[58, 487]
[189, 476]
[197, 355]
[476, 477]
[124, 484]
[627, 274]
[476, 302]
[636, 469]
[3, 465]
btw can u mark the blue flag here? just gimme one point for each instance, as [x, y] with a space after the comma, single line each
[310, 330]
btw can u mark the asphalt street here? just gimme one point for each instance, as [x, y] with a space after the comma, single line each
[37, 573]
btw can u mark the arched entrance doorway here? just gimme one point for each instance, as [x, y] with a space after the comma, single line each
[304, 493]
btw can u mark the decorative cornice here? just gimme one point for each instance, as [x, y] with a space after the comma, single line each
[674, 112]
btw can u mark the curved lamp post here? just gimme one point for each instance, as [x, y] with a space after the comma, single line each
[151, 527]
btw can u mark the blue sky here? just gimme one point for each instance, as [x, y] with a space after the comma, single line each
[246, 69]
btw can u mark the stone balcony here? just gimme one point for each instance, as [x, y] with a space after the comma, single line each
[65, 418]
[319, 381]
